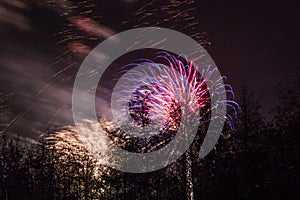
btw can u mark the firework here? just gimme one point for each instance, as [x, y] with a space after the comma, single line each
[157, 95]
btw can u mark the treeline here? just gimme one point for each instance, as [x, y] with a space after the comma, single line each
[256, 160]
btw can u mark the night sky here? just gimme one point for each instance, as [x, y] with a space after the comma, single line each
[252, 42]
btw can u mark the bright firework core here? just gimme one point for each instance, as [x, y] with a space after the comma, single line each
[143, 102]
